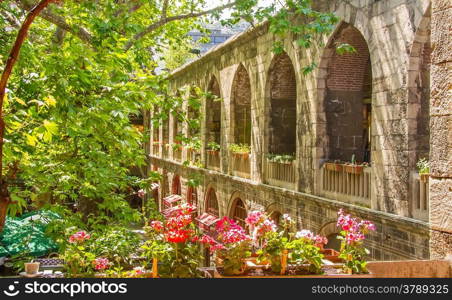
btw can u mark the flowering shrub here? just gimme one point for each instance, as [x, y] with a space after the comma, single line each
[175, 243]
[232, 246]
[352, 237]
[305, 251]
[79, 237]
[101, 264]
[78, 259]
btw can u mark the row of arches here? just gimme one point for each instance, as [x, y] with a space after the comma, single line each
[345, 91]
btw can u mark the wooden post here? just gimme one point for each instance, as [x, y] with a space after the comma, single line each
[154, 268]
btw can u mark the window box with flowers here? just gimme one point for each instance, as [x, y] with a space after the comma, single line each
[240, 150]
[335, 166]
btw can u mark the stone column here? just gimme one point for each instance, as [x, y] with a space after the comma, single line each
[440, 199]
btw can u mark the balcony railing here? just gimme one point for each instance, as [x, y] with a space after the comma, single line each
[419, 194]
[347, 183]
[166, 150]
[213, 160]
[193, 156]
[156, 149]
[240, 164]
[281, 174]
[177, 153]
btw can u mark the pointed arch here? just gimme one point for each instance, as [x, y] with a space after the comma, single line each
[241, 107]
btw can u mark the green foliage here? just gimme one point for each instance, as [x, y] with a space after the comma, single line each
[115, 243]
[281, 158]
[423, 166]
[213, 146]
[240, 148]
[345, 48]
[275, 243]
[304, 252]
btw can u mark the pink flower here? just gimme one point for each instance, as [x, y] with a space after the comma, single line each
[157, 226]
[254, 217]
[320, 240]
[304, 234]
[141, 193]
[79, 237]
[138, 271]
[101, 264]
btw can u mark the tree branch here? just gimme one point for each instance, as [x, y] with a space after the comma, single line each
[165, 20]
[13, 56]
[59, 21]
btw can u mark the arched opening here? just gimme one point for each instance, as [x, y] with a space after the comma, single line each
[176, 188]
[282, 106]
[333, 242]
[238, 212]
[213, 112]
[419, 117]
[212, 207]
[241, 107]
[192, 197]
[275, 216]
[348, 97]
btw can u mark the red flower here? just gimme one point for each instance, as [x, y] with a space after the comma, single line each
[157, 226]
[79, 237]
[101, 264]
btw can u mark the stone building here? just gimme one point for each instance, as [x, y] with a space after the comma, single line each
[385, 107]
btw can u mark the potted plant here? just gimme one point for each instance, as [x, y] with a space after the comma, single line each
[352, 237]
[232, 247]
[213, 148]
[335, 166]
[353, 167]
[242, 150]
[423, 167]
[174, 245]
[281, 158]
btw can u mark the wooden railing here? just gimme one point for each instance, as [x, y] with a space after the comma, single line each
[213, 160]
[177, 153]
[419, 196]
[156, 149]
[166, 150]
[193, 156]
[240, 164]
[281, 174]
[347, 183]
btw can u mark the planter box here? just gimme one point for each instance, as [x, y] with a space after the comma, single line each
[329, 273]
[241, 155]
[331, 255]
[334, 167]
[353, 169]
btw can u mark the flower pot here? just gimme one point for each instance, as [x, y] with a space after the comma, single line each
[353, 169]
[333, 167]
[31, 268]
[331, 255]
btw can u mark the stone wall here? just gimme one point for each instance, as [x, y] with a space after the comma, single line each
[441, 130]
[396, 237]
[396, 35]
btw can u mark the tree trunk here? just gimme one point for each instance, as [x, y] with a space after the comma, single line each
[13, 56]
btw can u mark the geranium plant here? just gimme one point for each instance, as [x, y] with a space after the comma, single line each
[79, 260]
[175, 244]
[233, 245]
[352, 236]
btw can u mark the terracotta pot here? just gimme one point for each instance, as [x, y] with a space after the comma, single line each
[333, 167]
[31, 268]
[331, 255]
[353, 169]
